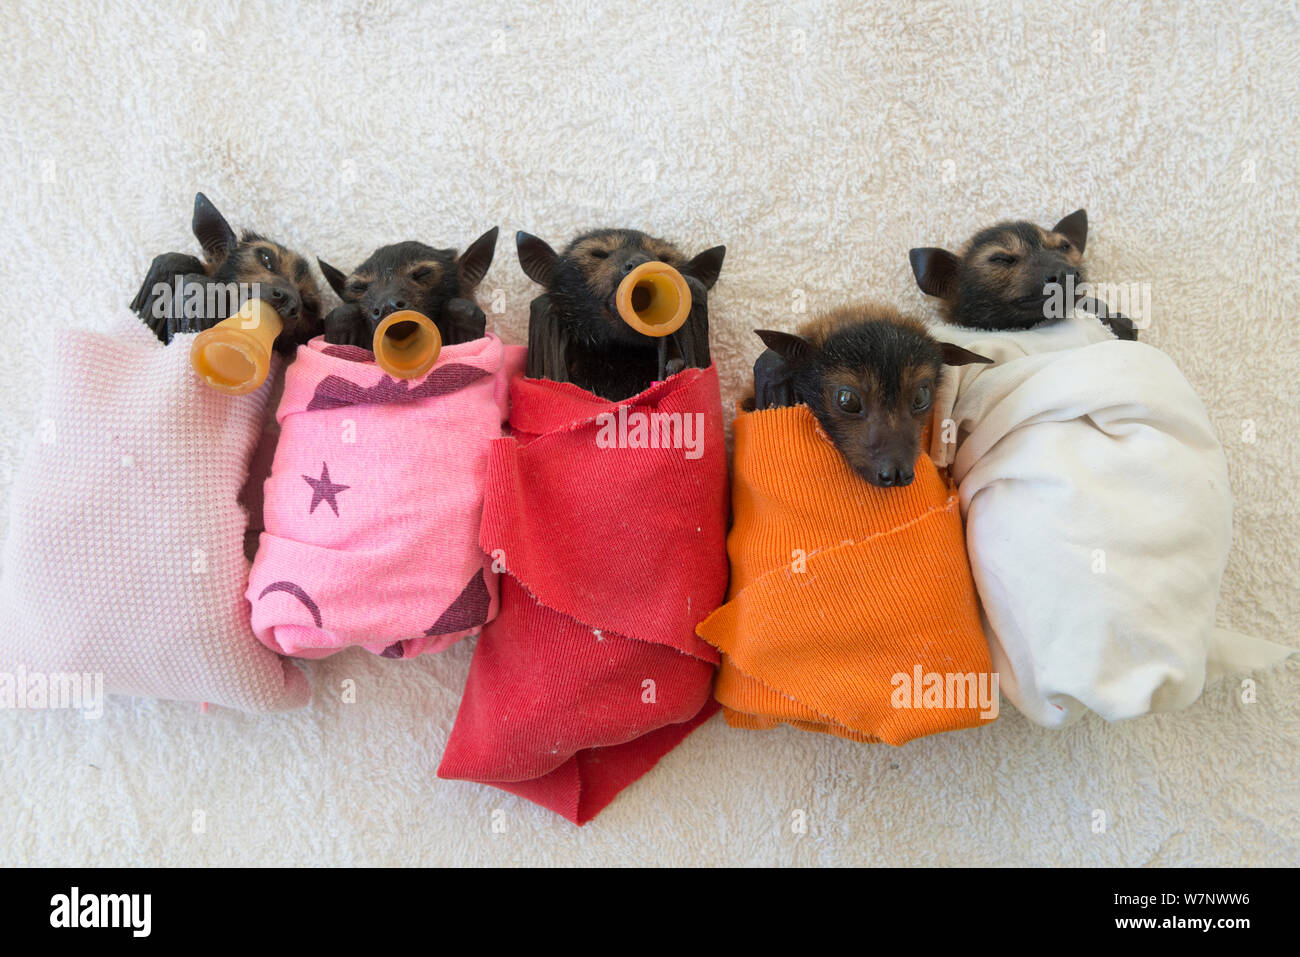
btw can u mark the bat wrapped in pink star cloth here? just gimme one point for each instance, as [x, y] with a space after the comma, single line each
[610, 521]
[373, 504]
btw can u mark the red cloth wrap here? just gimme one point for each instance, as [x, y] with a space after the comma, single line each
[611, 557]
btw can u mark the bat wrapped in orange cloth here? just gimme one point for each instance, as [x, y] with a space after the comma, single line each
[851, 608]
[608, 519]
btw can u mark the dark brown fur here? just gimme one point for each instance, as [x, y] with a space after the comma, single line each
[276, 273]
[575, 333]
[869, 374]
[1003, 277]
[438, 283]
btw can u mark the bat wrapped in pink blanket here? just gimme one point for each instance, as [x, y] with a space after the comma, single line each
[610, 520]
[373, 505]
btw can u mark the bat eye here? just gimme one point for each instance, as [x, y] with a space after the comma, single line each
[848, 401]
[267, 261]
[423, 274]
[1064, 247]
[599, 254]
[1003, 259]
[924, 396]
[358, 289]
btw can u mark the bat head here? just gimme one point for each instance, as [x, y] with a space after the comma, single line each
[411, 275]
[275, 273]
[1005, 274]
[870, 376]
[583, 279]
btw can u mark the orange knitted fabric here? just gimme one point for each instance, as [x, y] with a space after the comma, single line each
[851, 608]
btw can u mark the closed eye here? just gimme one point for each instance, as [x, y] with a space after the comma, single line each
[358, 288]
[1003, 259]
[600, 254]
[423, 274]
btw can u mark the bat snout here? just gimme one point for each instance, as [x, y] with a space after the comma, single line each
[888, 474]
[382, 310]
[285, 300]
[632, 261]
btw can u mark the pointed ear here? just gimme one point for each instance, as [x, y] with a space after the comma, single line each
[333, 276]
[211, 229]
[706, 266]
[935, 271]
[474, 262]
[793, 349]
[1074, 228]
[957, 356]
[537, 258]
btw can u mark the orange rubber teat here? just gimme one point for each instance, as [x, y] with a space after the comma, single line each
[234, 356]
[653, 299]
[406, 344]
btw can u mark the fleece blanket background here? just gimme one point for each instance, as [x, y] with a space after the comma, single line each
[819, 141]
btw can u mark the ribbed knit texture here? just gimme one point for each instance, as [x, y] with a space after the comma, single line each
[374, 501]
[592, 671]
[838, 586]
[125, 554]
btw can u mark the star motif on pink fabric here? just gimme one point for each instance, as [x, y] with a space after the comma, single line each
[323, 490]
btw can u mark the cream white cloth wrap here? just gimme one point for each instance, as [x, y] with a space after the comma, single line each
[1098, 520]
[125, 553]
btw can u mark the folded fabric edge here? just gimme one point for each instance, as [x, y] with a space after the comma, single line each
[1232, 652]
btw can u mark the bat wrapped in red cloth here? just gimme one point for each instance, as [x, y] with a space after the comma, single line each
[608, 521]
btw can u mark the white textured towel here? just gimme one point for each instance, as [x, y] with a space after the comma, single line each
[125, 555]
[1098, 520]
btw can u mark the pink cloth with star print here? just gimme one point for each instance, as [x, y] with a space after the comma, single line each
[373, 505]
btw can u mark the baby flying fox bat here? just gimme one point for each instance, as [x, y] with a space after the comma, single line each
[184, 294]
[1005, 275]
[574, 330]
[410, 275]
[869, 375]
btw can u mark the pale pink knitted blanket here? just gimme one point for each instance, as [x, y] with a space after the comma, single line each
[373, 505]
[125, 554]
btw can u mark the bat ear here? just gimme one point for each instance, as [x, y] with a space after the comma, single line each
[474, 262]
[537, 259]
[957, 356]
[211, 229]
[935, 271]
[1074, 228]
[793, 349]
[706, 266]
[333, 276]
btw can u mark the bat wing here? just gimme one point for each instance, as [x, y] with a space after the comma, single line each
[1122, 326]
[773, 386]
[344, 326]
[692, 339]
[462, 321]
[163, 271]
[548, 342]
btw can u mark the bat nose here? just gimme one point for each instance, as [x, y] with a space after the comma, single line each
[891, 474]
[1057, 273]
[632, 262]
[388, 308]
[284, 301]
